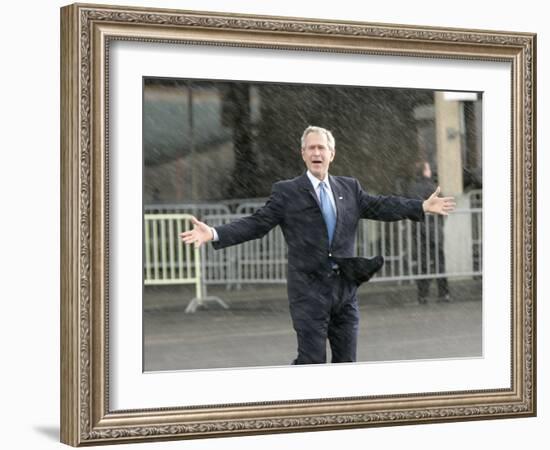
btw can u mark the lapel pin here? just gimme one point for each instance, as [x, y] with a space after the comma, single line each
[340, 198]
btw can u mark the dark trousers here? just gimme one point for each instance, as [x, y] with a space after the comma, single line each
[328, 312]
[424, 287]
[431, 250]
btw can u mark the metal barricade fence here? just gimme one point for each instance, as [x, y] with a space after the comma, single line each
[220, 266]
[258, 261]
[167, 260]
[411, 250]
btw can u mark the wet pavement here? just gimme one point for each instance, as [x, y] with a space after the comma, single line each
[256, 329]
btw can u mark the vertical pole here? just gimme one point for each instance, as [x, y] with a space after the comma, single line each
[198, 275]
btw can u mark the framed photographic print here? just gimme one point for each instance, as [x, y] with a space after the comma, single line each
[232, 122]
[175, 122]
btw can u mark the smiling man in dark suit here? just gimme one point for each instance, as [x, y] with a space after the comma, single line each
[318, 214]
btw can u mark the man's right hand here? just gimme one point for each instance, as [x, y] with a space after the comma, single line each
[200, 234]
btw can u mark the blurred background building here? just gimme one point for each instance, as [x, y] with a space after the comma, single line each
[211, 140]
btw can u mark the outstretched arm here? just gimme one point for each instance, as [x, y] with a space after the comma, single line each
[388, 208]
[438, 205]
[241, 230]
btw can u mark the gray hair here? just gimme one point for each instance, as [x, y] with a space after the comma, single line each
[311, 129]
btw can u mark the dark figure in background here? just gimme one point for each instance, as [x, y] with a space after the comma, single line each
[428, 236]
[318, 214]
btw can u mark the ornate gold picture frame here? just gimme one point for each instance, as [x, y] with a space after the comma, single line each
[87, 33]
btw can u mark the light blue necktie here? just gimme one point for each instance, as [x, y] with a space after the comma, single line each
[327, 210]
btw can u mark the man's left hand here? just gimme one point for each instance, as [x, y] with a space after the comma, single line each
[439, 205]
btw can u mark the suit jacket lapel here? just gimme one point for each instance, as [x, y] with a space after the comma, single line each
[306, 185]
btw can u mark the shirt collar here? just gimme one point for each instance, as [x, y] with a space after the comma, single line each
[315, 181]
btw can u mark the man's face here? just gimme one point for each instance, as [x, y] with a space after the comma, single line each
[317, 155]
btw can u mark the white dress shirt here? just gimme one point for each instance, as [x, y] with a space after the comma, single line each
[317, 187]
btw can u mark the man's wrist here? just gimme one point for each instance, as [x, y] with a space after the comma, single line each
[215, 237]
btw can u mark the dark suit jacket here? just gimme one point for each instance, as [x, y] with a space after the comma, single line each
[293, 205]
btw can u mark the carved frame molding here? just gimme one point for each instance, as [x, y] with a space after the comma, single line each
[86, 32]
